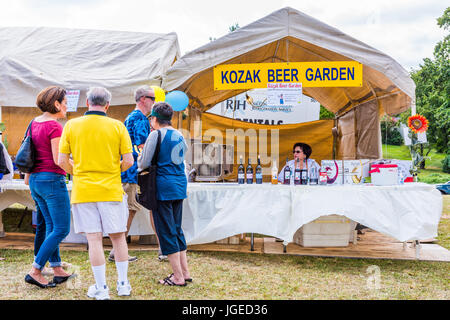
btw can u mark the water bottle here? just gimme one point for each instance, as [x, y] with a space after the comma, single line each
[314, 179]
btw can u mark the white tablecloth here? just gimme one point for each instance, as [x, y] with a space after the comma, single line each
[15, 191]
[214, 211]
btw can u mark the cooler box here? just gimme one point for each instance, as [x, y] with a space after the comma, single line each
[384, 174]
[327, 231]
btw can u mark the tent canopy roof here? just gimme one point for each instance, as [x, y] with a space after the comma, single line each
[34, 58]
[288, 35]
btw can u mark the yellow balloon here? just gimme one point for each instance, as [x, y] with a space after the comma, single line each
[160, 96]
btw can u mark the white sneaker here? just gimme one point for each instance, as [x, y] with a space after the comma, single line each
[123, 288]
[98, 294]
[162, 257]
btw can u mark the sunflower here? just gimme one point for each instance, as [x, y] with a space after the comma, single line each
[418, 123]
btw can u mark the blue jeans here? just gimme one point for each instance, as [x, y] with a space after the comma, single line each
[49, 190]
[41, 234]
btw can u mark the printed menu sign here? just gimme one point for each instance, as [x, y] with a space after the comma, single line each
[284, 94]
[72, 100]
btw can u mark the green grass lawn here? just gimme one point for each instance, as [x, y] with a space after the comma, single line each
[433, 167]
[227, 276]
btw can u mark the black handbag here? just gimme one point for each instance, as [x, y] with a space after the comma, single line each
[146, 195]
[26, 155]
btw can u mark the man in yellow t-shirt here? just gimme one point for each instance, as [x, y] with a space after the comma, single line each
[99, 204]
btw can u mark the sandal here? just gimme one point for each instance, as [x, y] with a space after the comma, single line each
[187, 280]
[168, 282]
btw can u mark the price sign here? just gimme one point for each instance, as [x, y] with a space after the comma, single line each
[72, 100]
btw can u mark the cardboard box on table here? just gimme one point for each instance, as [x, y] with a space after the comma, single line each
[335, 171]
[404, 169]
[356, 171]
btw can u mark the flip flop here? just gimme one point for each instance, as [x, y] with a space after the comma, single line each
[187, 280]
[168, 282]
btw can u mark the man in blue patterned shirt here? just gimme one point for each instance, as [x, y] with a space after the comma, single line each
[138, 127]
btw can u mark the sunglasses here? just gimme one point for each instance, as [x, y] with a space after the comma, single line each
[298, 151]
[150, 97]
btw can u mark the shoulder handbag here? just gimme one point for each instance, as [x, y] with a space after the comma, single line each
[26, 155]
[146, 194]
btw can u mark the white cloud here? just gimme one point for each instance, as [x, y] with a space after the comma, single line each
[405, 30]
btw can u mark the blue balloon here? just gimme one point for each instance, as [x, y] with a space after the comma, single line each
[178, 100]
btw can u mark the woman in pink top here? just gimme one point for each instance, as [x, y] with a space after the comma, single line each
[48, 187]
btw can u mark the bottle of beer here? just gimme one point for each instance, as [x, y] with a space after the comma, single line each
[287, 173]
[249, 172]
[274, 172]
[258, 172]
[297, 173]
[304, 174]
[241, 172]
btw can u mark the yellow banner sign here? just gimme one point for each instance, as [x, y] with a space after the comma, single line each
[310, 74]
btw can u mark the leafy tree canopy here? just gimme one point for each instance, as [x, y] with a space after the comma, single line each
[433, 90]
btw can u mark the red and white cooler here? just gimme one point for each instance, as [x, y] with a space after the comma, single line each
[384, 174]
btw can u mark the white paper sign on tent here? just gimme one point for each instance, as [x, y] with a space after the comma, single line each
[281, 94]
[72, 100]
[406, 138]
[422, 137]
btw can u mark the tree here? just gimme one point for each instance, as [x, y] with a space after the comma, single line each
[324, 114]
[433, 90]
[390, 133]
[232, 28]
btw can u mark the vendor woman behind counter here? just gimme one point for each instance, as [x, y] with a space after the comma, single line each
[301, 151]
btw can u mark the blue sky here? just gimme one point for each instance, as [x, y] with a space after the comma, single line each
[404, 29]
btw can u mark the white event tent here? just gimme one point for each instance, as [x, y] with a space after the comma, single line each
[34, 58]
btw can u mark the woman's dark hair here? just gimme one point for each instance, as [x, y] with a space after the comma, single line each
[306, 148]
[165, 110]
[47, 97]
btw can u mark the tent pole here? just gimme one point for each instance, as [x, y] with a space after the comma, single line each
[287, 50]
[334, 136]
[276, 51]
[413, 109]
[380, 144]
[180, 120]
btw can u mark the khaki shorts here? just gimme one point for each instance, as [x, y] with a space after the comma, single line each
[131, 191]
